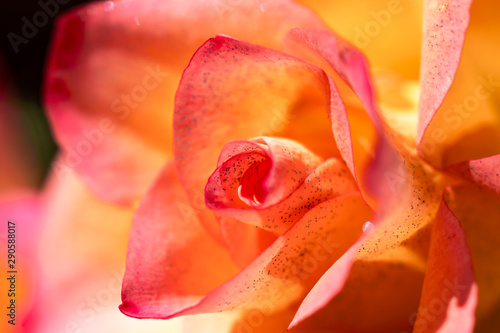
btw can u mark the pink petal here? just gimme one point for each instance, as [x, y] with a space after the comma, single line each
[243, 241]
[327, 287]
[292, 264]
[485, 172]
[478, 211]
[279, 275]
[168, 252]
[351, 65]
[458, 106]
[329, 180]
[445, 24]
[450, 294]
[213, 104]
[267, 169]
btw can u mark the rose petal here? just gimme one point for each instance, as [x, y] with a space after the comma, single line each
[444, 33]
[484, 172]
[279, 275]
[72, 216]
[351, 65]
[168, 252]
[261, 172]
[369, 263]
[449, 295]
[101, 89]
[330, 284]
[479, 212]
[382, 292]
[398, 238]
[329, 180]
[76, 283]
[458, 102]
[294, 262]
[243, 241]
[232, 91]
[81, 257]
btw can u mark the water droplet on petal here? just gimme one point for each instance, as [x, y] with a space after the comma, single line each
[109, 6]
[368, 227]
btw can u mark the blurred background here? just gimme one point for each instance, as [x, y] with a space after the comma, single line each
[22, 62]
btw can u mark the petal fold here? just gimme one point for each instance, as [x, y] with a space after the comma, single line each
[240, 190]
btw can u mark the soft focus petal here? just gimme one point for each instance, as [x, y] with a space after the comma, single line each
[81, 257]
[459, 99]
[110, 102]
[449, 294]
[243, 241]
[21, 225]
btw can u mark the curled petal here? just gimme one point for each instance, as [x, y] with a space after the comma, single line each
[328, 286]
[329, 180]
[272, 183]
[261, 172]
[382, 292]
[233, 90]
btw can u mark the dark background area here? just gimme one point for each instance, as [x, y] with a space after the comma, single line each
[23, 70]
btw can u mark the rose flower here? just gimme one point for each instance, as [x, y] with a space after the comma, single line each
[275, 177]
